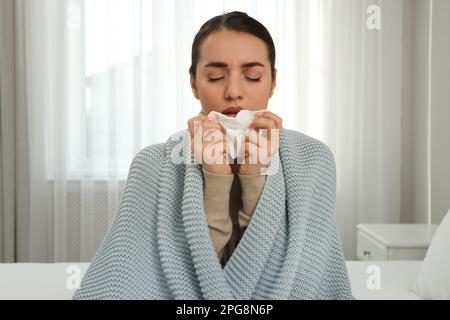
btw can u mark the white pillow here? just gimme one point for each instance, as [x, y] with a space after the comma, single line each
[434, 276]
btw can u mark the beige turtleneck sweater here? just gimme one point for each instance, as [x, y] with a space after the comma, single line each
[229, 202]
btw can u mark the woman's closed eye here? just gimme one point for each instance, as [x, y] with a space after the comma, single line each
[250, 79]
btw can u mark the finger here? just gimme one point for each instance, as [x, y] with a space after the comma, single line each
[214, 151]
[195, 122]
[267, 114]
[213, 136]
[255, 137]
[214, 146]
[194, 125]
[211, 124]
[213, 131]
[265, 147]
[264, 123]
[203, 123]
[251, 147]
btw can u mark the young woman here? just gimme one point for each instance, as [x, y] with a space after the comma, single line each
[233, 68]
[226, 230]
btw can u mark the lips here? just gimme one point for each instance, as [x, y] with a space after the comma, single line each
[232, 111]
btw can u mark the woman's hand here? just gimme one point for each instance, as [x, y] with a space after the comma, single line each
[208, 144]
[260, 145]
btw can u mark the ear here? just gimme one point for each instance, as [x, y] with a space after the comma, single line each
[274, 83]
[194, 88]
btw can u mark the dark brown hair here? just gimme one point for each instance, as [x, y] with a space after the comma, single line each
[236, 21]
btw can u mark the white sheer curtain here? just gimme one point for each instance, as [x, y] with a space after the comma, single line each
[101, 79]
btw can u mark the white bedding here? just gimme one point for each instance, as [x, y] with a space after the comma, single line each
[50, 280]
[43, 281]
[397, 277]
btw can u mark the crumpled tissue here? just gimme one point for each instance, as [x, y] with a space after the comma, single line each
[236, 128]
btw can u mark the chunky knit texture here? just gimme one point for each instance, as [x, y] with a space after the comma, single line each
[158, 246]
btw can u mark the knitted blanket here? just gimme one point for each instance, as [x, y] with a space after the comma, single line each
[159, 247]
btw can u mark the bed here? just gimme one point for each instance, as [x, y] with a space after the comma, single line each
[397, 277]
[57, 281]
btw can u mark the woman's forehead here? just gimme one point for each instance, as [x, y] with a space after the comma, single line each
[233, 48]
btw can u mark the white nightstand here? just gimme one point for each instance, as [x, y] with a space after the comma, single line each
[393, 241]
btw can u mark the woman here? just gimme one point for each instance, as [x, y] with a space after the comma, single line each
[222, 229]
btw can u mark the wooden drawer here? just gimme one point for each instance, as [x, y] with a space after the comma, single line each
[407, 253]
[369, 249]
[393, 241]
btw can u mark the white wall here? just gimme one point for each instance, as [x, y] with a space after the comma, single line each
[407, 152]
[440, 111]
[415, 96]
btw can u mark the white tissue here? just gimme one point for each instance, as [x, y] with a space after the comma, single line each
[236, 128]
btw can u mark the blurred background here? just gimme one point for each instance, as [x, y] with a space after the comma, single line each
[86, 84]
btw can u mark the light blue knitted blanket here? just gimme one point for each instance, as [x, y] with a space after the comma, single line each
[159, 247]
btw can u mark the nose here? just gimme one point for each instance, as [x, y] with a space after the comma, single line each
[234, 89]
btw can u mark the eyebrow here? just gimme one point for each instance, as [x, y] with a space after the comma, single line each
[218, 64]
